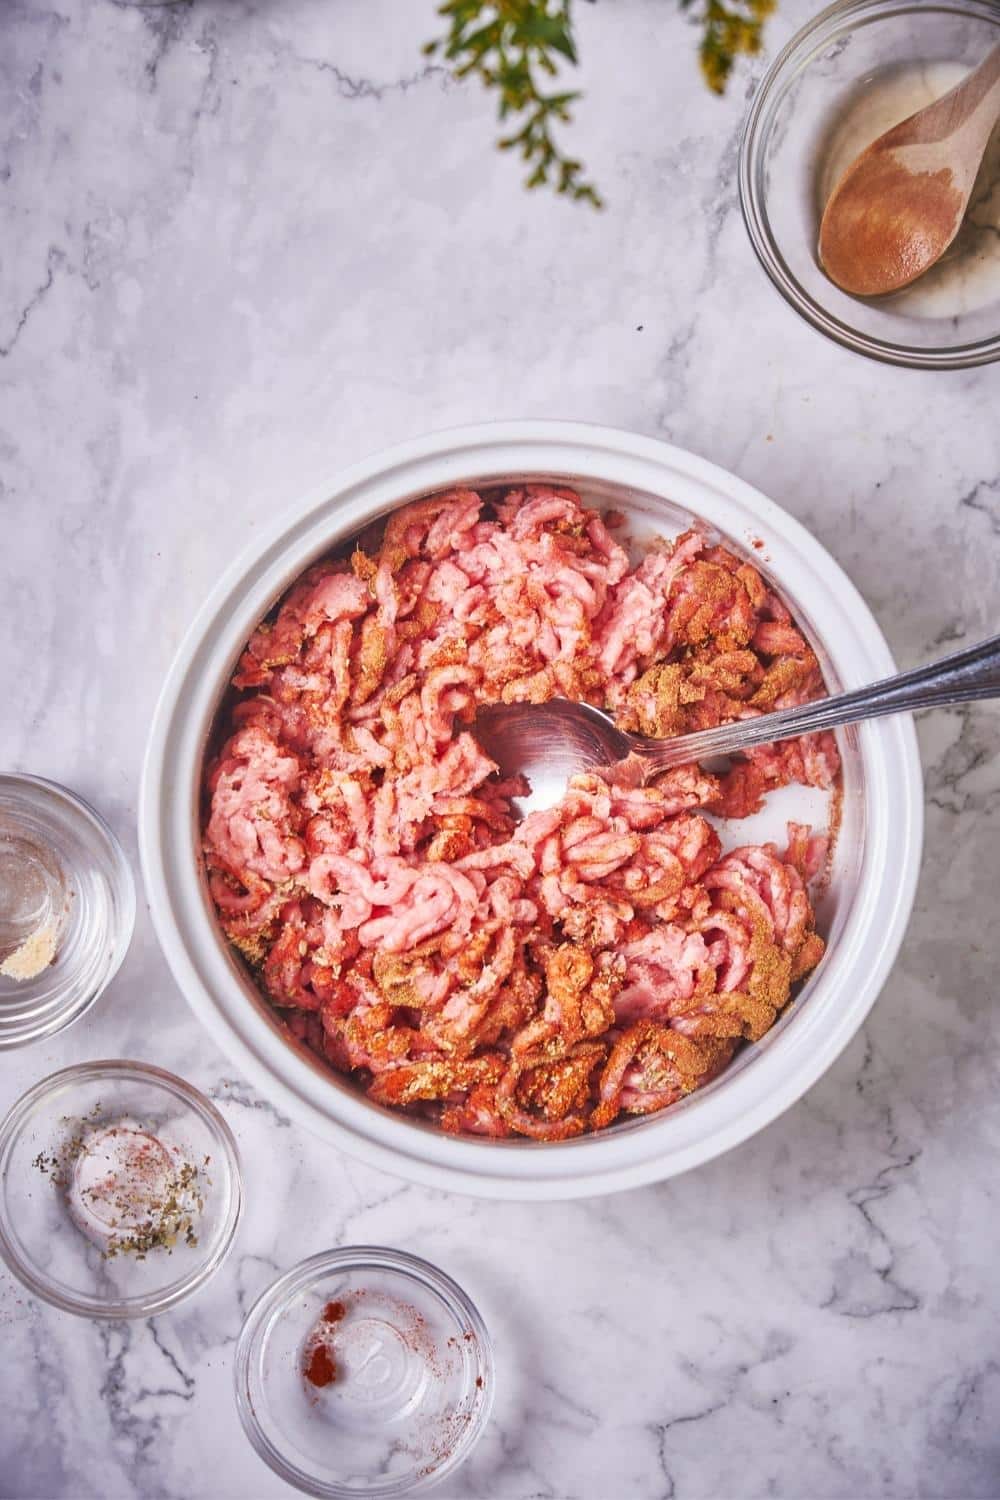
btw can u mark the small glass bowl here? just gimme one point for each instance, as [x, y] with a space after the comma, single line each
[62, 876]
[413, 1387]
[52, 1129]
[856, 69]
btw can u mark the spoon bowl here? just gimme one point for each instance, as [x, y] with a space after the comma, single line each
[547, 743]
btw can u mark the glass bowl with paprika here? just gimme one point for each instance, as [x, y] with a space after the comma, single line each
[364, 1372]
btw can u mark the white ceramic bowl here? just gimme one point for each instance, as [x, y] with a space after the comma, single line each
[863, 915]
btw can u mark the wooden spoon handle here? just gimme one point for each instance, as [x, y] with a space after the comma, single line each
[975, 96]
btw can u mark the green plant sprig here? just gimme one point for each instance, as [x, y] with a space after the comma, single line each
[727, 32]
[513, 46]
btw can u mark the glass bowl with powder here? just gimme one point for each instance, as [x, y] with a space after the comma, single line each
[853, 72]
[364, 1372]
[120, 1189]
[67, 908]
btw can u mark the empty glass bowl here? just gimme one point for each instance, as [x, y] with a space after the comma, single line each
[67, 907]
[120, 1189]
[364, 1372]
[851, 73]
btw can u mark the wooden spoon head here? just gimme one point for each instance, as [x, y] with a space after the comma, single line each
[898, 207]
[886, 224]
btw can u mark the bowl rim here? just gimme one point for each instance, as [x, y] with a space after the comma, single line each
[153, 1303]
[193, 947]
[274, 1300]
[752, 142]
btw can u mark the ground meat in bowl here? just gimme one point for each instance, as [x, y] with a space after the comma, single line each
[540, 976]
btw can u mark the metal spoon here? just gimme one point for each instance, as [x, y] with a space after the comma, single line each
[549, 742]
[900, 204]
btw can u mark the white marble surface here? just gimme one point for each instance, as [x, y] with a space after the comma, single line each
[244, 241]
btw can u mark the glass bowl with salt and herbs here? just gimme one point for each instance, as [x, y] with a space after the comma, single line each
[120, 1189]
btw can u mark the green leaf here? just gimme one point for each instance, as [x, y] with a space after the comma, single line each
[513, 45]
[510, 45]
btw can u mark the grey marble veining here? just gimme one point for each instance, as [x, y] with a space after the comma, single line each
[246, 241]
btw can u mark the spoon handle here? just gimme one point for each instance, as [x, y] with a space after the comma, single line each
[960, 678]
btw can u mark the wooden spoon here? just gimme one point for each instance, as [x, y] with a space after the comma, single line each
[900, 204]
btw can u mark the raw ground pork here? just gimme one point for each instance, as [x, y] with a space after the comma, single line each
[537, 977]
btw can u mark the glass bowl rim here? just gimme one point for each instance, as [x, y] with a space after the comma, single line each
[272, 1303]
[793, 59]
[53, 1020]
[154, 1303]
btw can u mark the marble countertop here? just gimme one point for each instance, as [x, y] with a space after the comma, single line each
[246, 241]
